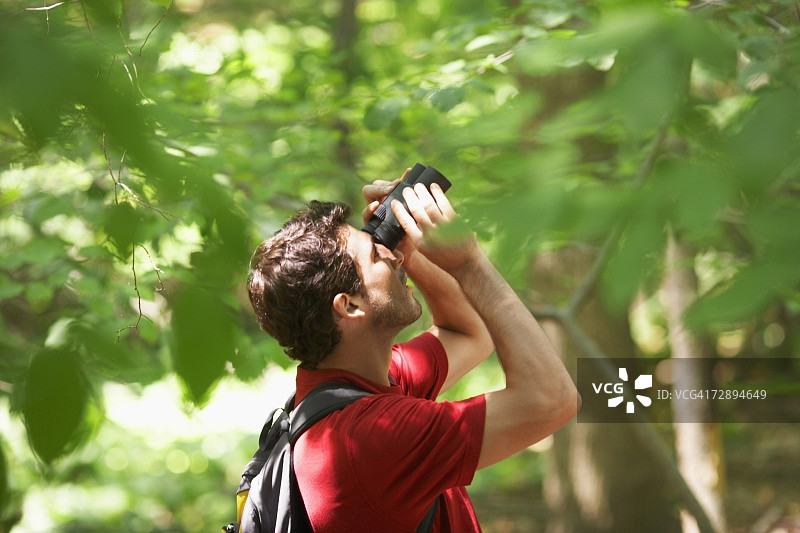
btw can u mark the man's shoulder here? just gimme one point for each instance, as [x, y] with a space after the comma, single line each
[425, 342]
[419, 366]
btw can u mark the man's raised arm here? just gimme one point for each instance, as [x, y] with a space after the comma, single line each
[539, 397]
[456, 324]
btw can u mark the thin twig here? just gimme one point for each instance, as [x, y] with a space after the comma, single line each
[497, 61]
[156, 26]
[655, 150]
[548, 312]
[135, 326]
[777, 25]
[45, 7]
[119, 184]
[587, 284]
[86, 20]
[166, 215]
[130, 56]
[110, 170]
[77, 121]
[155, 268]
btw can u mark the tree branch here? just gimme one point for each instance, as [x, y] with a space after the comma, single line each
[566, 317]
[642, 427]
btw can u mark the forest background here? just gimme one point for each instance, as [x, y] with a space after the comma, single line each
[632, 167]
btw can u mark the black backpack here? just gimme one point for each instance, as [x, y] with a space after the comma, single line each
[268, 499]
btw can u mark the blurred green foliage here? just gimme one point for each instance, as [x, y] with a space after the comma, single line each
[148, 146]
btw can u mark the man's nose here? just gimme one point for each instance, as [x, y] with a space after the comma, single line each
[398, 255]
[395, 257]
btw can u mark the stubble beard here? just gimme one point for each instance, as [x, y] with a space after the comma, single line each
[394, 313]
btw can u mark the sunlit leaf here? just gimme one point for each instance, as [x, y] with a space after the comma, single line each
[484, 40]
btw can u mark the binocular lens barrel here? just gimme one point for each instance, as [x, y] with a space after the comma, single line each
[384, 226]
[397, 194]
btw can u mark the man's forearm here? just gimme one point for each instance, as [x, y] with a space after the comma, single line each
[449, 306]
[455, 322]
[524, 350]
[539, 396]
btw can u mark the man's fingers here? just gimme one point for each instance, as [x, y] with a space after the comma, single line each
[366, 213]
[406, 221]
[378, 190]
[416, 207]
[442, 202]
[428, 203]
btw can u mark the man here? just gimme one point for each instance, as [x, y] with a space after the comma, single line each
[335, 301]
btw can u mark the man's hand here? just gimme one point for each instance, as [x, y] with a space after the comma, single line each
[455, 323]
[374, 193]
[432, 226]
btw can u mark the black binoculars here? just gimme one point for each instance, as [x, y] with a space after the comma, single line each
[384, 226]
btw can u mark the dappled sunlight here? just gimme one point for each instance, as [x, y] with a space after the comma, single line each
[630, 168]
[150, 434]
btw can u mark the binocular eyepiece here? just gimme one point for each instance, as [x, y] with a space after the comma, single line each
[384, 226]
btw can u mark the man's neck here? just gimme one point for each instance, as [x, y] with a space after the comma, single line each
[367, 356]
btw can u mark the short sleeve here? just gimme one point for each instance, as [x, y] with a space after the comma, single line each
[405, 451]
[419, 366]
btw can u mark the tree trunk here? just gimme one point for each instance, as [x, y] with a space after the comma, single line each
[600, 477]
[345, 40]
[698, 444]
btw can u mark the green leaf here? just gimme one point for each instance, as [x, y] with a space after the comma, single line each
[381, 114]
[4, 492]
[204, 332]
[634, 260]
[775, 232]
[121, 224]
[747, 294]
[449, 97]
[251, 357]
[768, 139]
[55, 402]
[484, 40]
[698, 194]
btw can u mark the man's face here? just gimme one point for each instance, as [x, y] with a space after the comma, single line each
[391, 301]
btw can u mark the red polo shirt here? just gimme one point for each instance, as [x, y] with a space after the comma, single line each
[378, 464]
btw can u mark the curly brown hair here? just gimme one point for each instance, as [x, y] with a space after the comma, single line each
[294, 276]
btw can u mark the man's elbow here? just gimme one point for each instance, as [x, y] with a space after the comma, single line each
[566, 407]
[486, 344]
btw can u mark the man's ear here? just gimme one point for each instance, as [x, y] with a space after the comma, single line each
[348, 305]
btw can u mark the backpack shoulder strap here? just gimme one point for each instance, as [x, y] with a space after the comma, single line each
[319, 403]
[324, 400]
